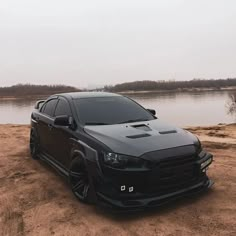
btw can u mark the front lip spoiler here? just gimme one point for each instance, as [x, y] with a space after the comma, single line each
[140, 204]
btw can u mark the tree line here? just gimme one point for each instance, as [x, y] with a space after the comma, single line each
[31, 90]
[148, 85]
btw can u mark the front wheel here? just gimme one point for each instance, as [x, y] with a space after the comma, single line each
[79, 180]
[34, 144]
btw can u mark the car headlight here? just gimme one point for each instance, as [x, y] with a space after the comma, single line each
[122, 161]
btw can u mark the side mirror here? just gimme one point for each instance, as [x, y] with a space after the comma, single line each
[63, 121]
[152, 111]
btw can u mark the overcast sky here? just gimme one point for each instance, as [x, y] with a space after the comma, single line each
[96, 42]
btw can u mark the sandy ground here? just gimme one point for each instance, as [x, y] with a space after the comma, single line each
[35, 200]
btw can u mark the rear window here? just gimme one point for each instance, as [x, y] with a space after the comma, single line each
[110, 110]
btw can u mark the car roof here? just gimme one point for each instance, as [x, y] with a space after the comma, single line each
[77, 95]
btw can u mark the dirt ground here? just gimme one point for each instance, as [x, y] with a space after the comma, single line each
[35, 200]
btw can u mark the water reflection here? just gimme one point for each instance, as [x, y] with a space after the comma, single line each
[182, 109]
[195, 108]
[16, 111]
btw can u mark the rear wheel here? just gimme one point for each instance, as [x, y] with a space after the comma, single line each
[79, 180]
[34, 144]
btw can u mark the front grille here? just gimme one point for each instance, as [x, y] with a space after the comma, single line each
[176, 169]
[177, 161]
[172, 174]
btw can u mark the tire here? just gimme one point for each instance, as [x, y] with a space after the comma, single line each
[79, 180]
[34, 144]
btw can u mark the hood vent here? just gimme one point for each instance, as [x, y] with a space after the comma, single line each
[142, 127]
[168, 132]
[138, 136]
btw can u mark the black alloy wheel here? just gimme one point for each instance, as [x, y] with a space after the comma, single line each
[79, 181]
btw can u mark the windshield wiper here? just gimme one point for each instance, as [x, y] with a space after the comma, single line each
[96, 123]
[131, 121]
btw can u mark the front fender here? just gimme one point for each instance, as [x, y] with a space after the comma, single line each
[90, 157]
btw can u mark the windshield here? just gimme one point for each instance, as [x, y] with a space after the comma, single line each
[110, 110]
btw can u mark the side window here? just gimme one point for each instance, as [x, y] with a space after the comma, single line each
[49, 107]
[63, 108]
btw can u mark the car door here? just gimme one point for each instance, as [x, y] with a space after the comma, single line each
[45, 125]
[61, 135]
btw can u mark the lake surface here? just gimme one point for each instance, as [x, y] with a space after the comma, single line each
[181, 109]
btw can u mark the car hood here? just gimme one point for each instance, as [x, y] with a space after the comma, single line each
[138, 138]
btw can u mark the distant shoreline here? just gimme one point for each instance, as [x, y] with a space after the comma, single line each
[187, 90]
[30, 91]
[178, 90]
[8, 98]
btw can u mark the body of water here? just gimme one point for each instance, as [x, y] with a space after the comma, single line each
[181, 109]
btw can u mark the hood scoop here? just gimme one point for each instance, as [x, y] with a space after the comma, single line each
[142, 127]
[138, 136]
[168, 132]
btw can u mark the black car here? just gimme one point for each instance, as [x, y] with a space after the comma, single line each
[115, 152]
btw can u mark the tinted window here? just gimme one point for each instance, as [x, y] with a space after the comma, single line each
[63, 108]
[49, 107]
[110, 110]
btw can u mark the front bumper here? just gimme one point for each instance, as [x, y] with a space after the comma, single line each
[139, 204]
[167, 180]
